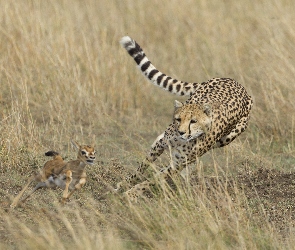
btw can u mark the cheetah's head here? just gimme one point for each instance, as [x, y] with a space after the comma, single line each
[192, 120]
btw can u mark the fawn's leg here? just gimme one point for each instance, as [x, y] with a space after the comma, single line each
[68, 182]
[79, 185]
[49, 183]
[16, 199]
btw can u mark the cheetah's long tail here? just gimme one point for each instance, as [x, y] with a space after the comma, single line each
[151, 73]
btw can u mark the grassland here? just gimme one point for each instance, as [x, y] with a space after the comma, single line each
[63, 76]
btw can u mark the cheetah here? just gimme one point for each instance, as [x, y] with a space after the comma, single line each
[69, 175]
[216, 112]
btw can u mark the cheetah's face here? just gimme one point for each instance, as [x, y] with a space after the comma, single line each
[192, 120]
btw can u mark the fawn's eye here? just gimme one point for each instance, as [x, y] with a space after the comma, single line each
[83, 152]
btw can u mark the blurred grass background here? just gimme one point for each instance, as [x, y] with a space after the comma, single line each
[64, 75]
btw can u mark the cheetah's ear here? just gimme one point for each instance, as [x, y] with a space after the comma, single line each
[75, 144]
[178, 104]
[207, 109]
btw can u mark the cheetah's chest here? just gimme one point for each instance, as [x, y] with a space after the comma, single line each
[187, 152]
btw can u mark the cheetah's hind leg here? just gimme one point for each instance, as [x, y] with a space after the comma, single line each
[138, 190]
[239, 128]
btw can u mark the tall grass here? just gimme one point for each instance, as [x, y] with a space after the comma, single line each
[191, 219]
[64, 75]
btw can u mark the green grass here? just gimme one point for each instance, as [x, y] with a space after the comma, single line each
[64, 76]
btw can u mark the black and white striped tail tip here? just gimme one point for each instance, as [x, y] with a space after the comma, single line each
[127, 42]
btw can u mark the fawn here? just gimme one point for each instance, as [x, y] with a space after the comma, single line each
[69, 175]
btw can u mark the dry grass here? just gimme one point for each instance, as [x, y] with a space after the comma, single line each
[64, 75]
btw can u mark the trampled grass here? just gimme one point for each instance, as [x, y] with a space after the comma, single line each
[64, 76]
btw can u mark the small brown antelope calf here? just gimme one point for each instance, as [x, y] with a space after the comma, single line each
[69, 175]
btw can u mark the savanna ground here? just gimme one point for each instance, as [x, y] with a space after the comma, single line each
[63, 76]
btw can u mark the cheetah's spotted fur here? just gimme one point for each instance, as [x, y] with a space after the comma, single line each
[216, 112]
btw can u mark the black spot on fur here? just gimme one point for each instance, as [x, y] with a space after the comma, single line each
[145, 66]
[178, 86]
[152, 73]
[132, 51]
[138, 59]
[160, 78]
[166, 81]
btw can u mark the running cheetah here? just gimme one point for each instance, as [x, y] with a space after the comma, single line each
[216, 112]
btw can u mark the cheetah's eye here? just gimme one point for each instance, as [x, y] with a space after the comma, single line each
[193, 121]
[177, 119]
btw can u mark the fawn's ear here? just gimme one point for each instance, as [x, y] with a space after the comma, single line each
[75, 144]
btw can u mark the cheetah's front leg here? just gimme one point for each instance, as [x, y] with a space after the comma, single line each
[155, 151]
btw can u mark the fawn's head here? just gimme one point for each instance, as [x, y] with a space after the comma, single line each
[86, 153]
